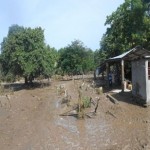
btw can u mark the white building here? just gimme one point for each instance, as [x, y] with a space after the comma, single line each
[140, 62]
[141, 79]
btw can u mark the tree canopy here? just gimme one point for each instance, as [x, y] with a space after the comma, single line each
[76, 58]
[127, 27]
[24, 53]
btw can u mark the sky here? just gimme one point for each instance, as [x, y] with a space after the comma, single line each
[63, 21]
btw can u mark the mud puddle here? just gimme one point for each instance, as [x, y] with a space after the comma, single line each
[80, 134]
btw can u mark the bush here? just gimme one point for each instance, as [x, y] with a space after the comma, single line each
[9, 78]
[2, 89]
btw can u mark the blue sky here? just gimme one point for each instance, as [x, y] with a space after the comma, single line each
[63, 20]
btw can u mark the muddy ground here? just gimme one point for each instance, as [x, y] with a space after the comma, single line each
[29, 120]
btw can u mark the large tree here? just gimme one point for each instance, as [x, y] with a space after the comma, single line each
[76, 58]
[24, 53]
[128, 27]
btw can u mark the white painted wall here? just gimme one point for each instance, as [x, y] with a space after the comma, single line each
[139, 79]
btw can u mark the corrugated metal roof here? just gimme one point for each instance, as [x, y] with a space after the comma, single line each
[120, 56]
[135, 53]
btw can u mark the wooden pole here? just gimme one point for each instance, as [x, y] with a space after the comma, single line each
[107, 73]
[122, 74]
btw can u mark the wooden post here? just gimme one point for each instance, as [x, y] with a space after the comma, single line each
[79, 101]
[107, 73]
[103, 75]
[80, 111]
[122, 74]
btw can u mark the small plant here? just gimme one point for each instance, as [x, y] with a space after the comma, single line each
[1, 89]
[9, 78]
[86, 102]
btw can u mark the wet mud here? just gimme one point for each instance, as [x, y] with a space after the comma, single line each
[31, 121]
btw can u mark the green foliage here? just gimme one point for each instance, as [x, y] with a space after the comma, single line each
[9, 78]
[86, 102]
[75, 58]
[128, 27]
[2, 89]
[24, 53]
[99, 57]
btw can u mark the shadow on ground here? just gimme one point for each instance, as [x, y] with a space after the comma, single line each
[22, 86]
[127, 97]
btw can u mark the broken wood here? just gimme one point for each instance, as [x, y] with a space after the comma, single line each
[8, 98]
[92, 101]
[112, 99]
[1, 103]
[88, 115]
[80, 105]
[66, 99]
[108, 112]
[75, 107]
[66, 113]
[79, 108]
[96, 105]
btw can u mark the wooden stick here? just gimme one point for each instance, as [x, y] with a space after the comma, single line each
[96, 106]
[108, 112]
[1, 103]
[92, 101]
[8, 98]
[112, 99]
[66, 113]
[88, 116]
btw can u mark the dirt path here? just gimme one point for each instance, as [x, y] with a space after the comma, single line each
[31, 121]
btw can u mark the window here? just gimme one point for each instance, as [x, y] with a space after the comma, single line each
[149, 70]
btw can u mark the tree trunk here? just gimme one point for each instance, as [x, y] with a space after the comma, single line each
[26, 80]
[31, 80]
[94, 74]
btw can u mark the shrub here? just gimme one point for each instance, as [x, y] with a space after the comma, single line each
[86, 102]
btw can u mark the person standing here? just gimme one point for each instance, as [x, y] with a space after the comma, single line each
[110, 79]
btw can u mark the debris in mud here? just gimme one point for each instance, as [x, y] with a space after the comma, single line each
[99, 90]
[112, 99]
[5, 101]
[110, 113]
[79, 108]
[66, 99]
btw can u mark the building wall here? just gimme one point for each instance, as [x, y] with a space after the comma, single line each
[147, 84]
[139, 79]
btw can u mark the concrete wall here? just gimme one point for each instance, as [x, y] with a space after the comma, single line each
[147, 84]
[139, 79]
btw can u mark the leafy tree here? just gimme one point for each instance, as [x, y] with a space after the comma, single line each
[88, 61]
[75, 58]
[99, 57]
[51, 55]
[24, 53]
[128, 27]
